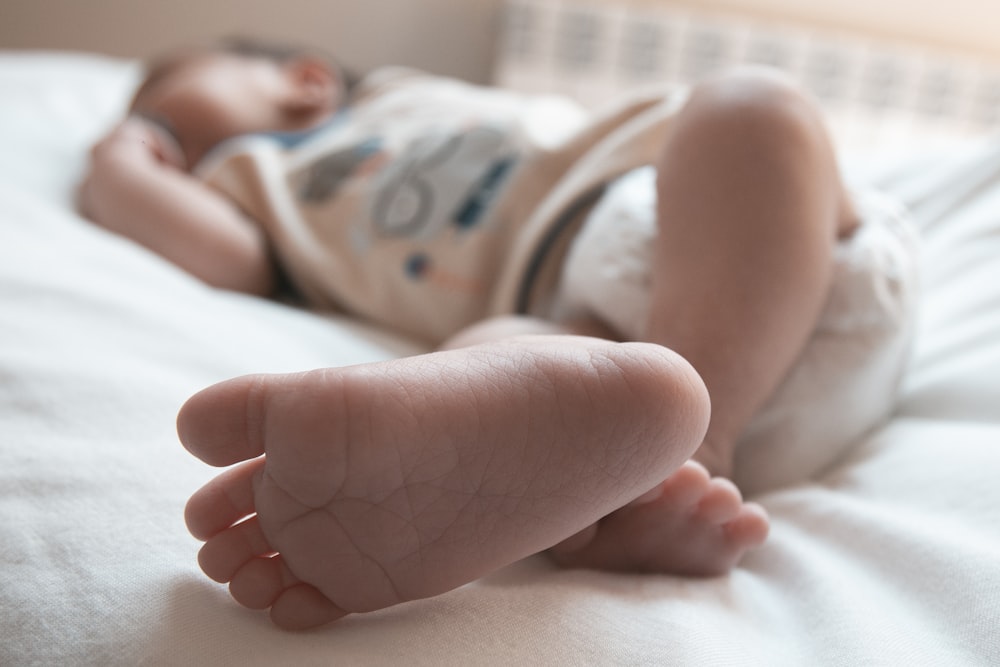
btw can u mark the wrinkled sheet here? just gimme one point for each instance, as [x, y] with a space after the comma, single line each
[890, 557]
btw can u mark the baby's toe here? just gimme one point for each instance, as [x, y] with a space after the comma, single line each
[685, 487]
[267, 582]
[222, 556]
[301, 607]
[259, 582]
[750, 527]
[223, 501]
[721, 503]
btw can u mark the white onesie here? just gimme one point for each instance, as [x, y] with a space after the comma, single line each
[429, 203]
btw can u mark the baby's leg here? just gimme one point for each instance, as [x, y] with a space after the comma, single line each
[750, 205]
[399, 480]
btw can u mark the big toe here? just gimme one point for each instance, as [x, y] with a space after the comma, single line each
[221, 425]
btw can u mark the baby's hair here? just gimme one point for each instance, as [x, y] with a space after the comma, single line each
[282, 53]
[247, 47]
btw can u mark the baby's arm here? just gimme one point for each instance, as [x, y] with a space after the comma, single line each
[136, 187]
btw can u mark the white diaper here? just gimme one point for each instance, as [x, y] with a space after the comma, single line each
[845, 382]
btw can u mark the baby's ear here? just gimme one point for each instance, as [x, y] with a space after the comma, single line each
[316, 86]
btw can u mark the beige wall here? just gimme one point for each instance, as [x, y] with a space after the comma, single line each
[455, 37]
[964, 25]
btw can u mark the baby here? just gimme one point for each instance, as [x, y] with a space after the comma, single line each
[567, 409]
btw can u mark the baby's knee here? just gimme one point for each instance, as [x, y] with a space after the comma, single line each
[754, 102]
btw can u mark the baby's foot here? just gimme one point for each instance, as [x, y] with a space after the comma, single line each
[690, 524]
[400, 480]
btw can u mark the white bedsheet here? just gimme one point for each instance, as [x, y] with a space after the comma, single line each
[893, 557]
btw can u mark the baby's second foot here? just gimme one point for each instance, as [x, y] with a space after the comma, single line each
[399, 480]
[691, 524]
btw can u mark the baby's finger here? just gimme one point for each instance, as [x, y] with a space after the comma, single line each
[167, 147]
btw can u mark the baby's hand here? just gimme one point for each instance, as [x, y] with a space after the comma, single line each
[135, 152]
[140, 139]
[137, 187]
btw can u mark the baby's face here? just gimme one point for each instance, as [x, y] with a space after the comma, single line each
[213, 97]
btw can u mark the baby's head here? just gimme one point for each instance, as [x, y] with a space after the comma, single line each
[204, 95]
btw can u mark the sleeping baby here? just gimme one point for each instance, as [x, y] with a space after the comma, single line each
[637, 312]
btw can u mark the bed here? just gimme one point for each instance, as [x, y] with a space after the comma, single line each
[891, 556]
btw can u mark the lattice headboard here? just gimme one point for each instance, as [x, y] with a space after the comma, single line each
[877, 93]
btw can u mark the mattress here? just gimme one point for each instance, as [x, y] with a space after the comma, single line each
[891, 556]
